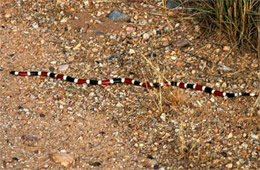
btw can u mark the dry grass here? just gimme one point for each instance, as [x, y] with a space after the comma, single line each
[186, 150]
[238, 19]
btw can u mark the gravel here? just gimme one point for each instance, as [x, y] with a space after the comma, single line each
[49, 124]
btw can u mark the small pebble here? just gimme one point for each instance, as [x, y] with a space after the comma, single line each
[156, 166]
[226, 48]
[180, 64]
[152, 54]
[219, 109]
[99, 33]
[94, 50]
[224, 154]
[244, 145]
[254, 65]
[92, 94]
[42, 115]
[63, 67]
[149, 156]
[35, 25]
[51, 68]
[254, 136]
[129, 29]
[158, 32]
[163, 117]
[172, 4]
[197, 28]
[131, 51]
[217, 51]
[77, 47]
[230, 135]
[29, 138]
[64, 159]
[12, 54]
[53, 62]
[99, 14]
[166, 29]
[225, 68]
[230, 165]
[224, 85]
[8, 15]
[208, 46]
[26, 110]
[171, 13]
[32, 96]
[64, 20]
[177, 25]
[182, 43]
[15, 159]
[95, 164]
[146, 36]
[216, 161]
[119, 104]
[118, 16]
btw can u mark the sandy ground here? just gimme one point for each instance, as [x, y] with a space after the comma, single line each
[49, 124]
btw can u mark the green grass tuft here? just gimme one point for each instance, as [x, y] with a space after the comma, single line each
[239, 19]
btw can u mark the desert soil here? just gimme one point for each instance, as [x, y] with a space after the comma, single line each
[50, 124]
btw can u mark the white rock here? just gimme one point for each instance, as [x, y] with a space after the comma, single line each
[230, 135]
[94, 50]
[146, 36]
[119, 104]
[131, 51]
[254, 137]
[99, 13]
[64, 20]
[35, 25]
[163, 117]
[91, 94]
[230, 165]
[63, 67]
[64, 159]
[226, 48]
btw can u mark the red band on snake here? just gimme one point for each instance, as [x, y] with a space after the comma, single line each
[132, 82]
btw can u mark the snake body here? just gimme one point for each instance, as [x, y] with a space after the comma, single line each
[132, 82]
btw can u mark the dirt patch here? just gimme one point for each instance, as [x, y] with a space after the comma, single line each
[89, 26]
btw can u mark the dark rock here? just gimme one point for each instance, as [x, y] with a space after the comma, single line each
[158, 32]
[95, 163]
[118, 16]
[42, 115]
[149, 156]
[224, 154]
[51, 68]
[11, 55]
[29, 138]
[156, 166]
[15, 159]
[172, 4]
[99, 33]
[102, 132]
[153, 54]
